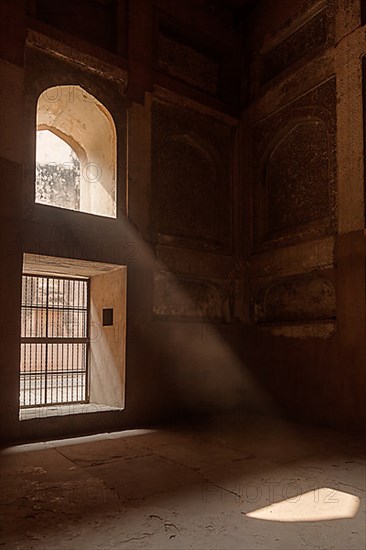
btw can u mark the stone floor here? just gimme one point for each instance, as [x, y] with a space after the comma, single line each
[271, 485]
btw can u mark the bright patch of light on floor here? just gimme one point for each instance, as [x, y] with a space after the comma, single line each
[40, 445]
[318, 505]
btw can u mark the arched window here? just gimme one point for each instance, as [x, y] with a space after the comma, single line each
[76, 152]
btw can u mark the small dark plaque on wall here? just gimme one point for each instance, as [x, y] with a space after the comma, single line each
[107, 317]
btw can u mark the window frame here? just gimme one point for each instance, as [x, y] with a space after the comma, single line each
[47, 340]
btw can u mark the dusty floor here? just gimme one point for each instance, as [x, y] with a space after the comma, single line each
[187, 488]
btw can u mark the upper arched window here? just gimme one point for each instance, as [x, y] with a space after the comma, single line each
[75, 152]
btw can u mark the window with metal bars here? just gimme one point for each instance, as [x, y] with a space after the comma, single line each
[54, 341]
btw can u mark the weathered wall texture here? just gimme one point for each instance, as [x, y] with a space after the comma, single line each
[240, 200]
[171, 81]
[303, 149]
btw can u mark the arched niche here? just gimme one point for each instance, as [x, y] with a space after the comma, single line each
[297, 176]
[78, 118]
[188, 187]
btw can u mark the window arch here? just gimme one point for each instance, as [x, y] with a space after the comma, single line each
[76, 152]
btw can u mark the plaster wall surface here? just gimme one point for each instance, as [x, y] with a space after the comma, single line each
[107, 350]
[240, 203]
[305, 262]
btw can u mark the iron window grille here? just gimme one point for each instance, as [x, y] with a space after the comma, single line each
[54, 341]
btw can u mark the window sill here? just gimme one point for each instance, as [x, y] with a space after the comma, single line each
[64, 410]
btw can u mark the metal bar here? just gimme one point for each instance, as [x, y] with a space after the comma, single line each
[59, 308]
[56, 372]
[87, 356]
[64, 277]
[46, 358]
[56, 340]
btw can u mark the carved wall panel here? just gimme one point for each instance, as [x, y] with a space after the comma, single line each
[295, 169]
[181, 297]
[296, 177]
[302, 43]
[303, 298]
[191, 178]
